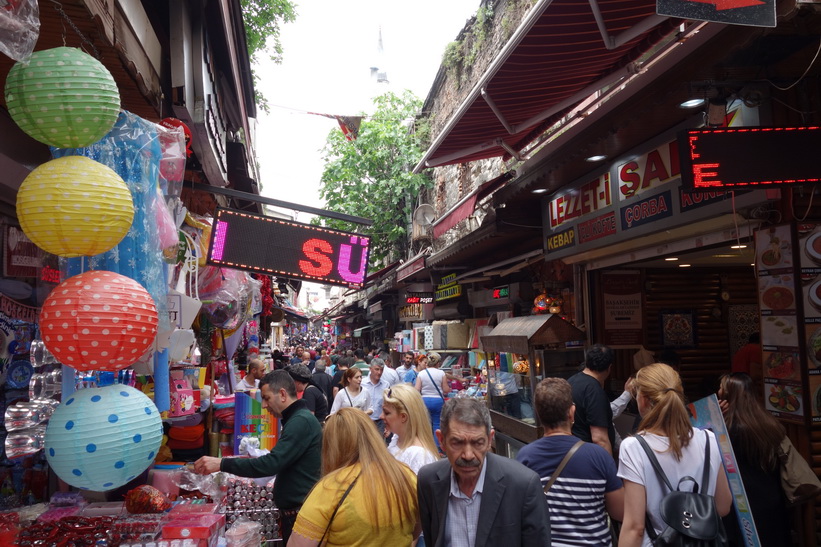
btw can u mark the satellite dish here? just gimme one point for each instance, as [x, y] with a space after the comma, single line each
[424, 215]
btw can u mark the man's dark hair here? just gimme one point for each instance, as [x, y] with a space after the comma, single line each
[598, 358]
[280, 379]
[466, 411]
[368, 358]
[359, 354]
[410, 353]
[554, 397]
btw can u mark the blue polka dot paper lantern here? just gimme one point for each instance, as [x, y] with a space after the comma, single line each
[63, 97]
[101, 438]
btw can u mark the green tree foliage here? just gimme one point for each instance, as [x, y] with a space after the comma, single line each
[371, 176]
[263, 19]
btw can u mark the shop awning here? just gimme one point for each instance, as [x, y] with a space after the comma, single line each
[563, 52]
[357, 333]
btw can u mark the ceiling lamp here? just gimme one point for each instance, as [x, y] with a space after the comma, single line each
[671, 258]
[692, 103]
[539, 191]
[597, 157]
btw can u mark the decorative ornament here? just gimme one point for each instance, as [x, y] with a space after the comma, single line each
[541, 303]
[98, 320]
[63, 97]
[74, 206]
[101, 438]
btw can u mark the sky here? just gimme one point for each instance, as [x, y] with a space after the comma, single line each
[328, 52]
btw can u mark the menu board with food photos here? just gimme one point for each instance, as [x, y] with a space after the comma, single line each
[809, 256]
[781, 324]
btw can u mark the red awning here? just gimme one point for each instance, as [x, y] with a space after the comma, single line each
[557, 58]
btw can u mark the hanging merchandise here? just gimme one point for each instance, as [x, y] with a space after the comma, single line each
[98, 320]
[74, 206]
[132, 150]
[63, 97]
[102, 438]
[19, 28]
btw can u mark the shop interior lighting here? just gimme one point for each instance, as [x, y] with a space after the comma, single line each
[539, 191]
[671, 258]
[683, 265]
[738, 246]
[597, 157]
[692, 103]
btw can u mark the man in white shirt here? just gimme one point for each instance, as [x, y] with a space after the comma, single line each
[388, 373]
[375, 385]
[256, 370]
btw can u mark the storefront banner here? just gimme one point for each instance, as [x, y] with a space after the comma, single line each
[647, 210]
[706, 414]
[649, 171]
[623, 320]
[21, 257]
[18, 311]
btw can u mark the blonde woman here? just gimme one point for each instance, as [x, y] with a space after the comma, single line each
[352, 394]
[679, 448]
[366, 497]
[407, 418]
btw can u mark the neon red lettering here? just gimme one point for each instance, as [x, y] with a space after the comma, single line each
[318, 264]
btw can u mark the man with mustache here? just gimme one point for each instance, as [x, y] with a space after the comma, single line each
[476, 498]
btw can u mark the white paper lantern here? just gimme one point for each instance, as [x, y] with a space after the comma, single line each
[102, 438]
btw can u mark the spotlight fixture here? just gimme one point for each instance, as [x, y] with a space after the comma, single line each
[691, 103]
[684, 265]
[597, 157]
[738, 246]
[539, 191]
[671, 258]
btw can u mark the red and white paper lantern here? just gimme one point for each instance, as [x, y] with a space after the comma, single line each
[98, 320]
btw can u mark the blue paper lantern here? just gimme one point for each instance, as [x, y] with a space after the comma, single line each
[102, 438]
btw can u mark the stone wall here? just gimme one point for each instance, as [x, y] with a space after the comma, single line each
[464, 62]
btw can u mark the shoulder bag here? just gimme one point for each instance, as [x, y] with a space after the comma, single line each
[798, 480]
[434, 384]
[338, 505]
[562, 465]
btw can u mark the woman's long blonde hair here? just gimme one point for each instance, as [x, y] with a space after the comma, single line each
[405, 399]
[667, 415]
[350, 437]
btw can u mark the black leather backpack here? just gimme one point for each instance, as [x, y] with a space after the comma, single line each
[691, 517]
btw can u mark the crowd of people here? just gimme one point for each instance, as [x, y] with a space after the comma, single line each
[371, 457]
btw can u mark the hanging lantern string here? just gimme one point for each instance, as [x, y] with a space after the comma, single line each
[59, 8]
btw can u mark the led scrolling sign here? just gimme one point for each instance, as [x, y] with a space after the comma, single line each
[289, 249]
[749, 156]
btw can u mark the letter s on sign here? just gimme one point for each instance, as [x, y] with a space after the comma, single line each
[318, 264]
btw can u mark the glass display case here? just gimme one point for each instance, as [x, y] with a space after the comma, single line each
[521, 351]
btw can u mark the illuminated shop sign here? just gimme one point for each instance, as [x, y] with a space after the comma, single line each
[561, 240]
[419, 298]
[749, 156]
[501, 292]
[646, 210]
[583, 200]
[448, 288]
[289, 249]
[649, 171]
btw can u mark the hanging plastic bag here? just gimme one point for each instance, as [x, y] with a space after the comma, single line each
[19, 28]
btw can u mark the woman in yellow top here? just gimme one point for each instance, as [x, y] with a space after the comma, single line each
[380, 507]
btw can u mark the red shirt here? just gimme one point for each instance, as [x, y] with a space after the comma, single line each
[746, 356]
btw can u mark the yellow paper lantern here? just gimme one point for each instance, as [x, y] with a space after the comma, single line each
[74, 206]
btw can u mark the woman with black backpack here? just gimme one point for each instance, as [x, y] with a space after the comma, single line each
[669, 455]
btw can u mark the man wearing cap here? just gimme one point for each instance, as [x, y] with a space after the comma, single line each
[313, 397]
[295, 459]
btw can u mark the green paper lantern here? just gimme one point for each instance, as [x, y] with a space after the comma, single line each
[63, 97]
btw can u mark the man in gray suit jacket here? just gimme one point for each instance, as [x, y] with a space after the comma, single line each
[476, 498]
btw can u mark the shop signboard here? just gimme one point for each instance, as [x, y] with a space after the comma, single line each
[752, 13]
[622, 303]
[784, 370]
[720, 157]
[419, 298]
[290, 249]
[638, 195]
[21, 257]
[448, 288]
